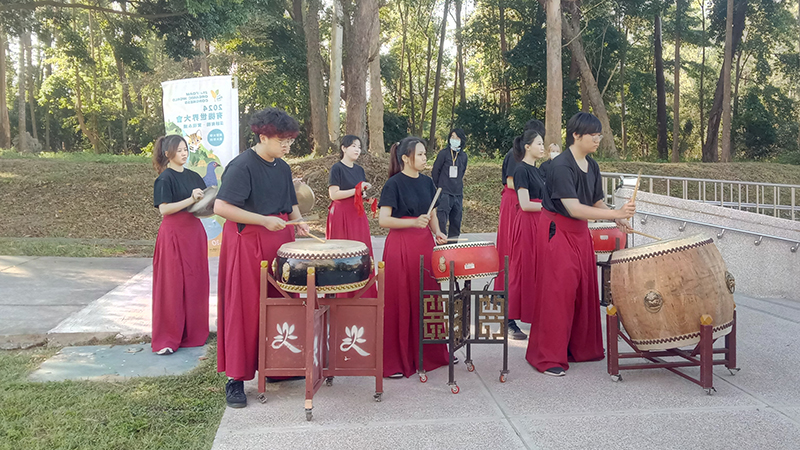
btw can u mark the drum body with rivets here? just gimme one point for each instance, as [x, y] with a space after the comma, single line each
[607, 237]
[340, 265]
[662, 289]
[472, 260]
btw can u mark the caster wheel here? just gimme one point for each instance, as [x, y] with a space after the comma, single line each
[502, 378]
[710, 391]
[329, 381]
[616, 378]
[262, 397]
[378, 396]
[309, 416]
[423, 378]
[455, 389]
[470, 367]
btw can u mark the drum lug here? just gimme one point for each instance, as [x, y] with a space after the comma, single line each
[730, 281]
[653, 302]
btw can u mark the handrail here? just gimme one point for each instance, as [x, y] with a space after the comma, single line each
[712, 180]
[795, 243]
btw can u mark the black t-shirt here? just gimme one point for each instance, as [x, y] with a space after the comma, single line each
[530, 178]
[441, 171]
[345, 177]
[408, 197]
[172, 186]
[566, 180]
[509, 166]
[258, 186]
[543, 167]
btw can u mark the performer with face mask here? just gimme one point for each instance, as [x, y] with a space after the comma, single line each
[448, 174]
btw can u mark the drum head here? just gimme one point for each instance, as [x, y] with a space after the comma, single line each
[205, 207]
[602, 225]
[660, 247]
[464, 245]
[305, 197]
[332, 248]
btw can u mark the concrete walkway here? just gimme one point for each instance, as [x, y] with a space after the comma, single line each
[758, 408]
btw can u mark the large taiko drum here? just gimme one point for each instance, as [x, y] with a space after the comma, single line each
[662, 289]
[340, 265]
[472, 260]
[607, 237]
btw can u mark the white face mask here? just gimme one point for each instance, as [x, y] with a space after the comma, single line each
[455, 144]
[554, 154]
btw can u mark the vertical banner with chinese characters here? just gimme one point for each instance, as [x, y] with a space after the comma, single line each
[205, 111]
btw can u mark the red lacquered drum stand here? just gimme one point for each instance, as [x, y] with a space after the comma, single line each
[447, 321]
[701, 356]
[354, 327]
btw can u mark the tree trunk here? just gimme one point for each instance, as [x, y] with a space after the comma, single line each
[201, 45]
[725, 154]
[798, 85]
[460, 56]
[622, 95]
[505, 89]
[739, 69]
[585, 103]
[411, 92]
[701, 90]
[316, 89]
[676, 125]
[5, 124]
[90, 134]
[424, 107]
[376, 144]
[335, 82]
[31, 84]
[437, 81]
[661, 95]
[571, 35]
[22, 142]
[555, 91]
[357, 35]
[711, 147]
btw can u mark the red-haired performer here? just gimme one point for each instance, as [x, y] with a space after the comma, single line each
[404, 204]
[509, 205]
[256, 197]
[346, 216]
[529, 184]
[180, 260]
[566, 325]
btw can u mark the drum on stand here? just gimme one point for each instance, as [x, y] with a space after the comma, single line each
[607, 237]
[340, 265]
[662, 289]
[472, 260]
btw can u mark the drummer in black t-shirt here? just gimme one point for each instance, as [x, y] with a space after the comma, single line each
[257, 197]
[566, 323]
[180, 260]
[404, 204]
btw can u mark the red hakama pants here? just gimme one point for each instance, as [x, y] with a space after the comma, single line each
[509, 204]
[566, 323]
[180, 283]
[238, 294]
[522, 266]
[401, 296]
[345, 222]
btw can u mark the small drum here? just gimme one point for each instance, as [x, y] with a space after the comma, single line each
[473, 260]
[662, 289]
[340, 265]
[205, 207]
[305, 197]
[607, 237]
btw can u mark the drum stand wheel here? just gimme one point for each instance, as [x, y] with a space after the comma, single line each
[262, 397]
[503, 377]
[309, 415]
[454, 389]
[378, 396]
[423, 377]
[329, 381]
[470, 366]
[710, 391]
[616, 378]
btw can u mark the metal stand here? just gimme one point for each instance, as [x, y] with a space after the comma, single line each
[449, 321]
[306, 325]
[701, 356]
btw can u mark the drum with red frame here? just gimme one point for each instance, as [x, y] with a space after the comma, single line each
[605, 236]
[472, 260]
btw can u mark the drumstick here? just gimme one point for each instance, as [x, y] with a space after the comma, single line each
[435, 197]
[311, 218]
[645, 234]
[317, 238]
[636, 189]
[457, 239]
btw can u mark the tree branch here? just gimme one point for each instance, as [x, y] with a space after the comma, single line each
[42, 3]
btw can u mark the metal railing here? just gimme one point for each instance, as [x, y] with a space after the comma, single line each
[778, 200]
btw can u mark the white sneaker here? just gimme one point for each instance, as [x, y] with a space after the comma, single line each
[165, 351]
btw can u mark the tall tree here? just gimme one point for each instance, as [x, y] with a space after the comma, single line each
[437, 81]
[701, 88]
[5, 124]
[505, 89]
[462, 91]
[335, 80]
[376, 144]
[316, 88]
[725, 154]
[661, 95]
[31, 82]
[554, 74]
[623, 125]
[676, 125]
[22, 141]
[357, 31]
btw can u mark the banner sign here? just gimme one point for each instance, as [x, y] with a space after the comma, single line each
[205, 111]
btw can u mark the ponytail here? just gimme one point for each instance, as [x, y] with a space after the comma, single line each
[405, 147]
[521, 141]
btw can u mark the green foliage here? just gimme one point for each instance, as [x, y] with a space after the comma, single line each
[490, 132]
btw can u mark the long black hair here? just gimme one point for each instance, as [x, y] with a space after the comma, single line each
[347, 141]
[521, 141]
[405, 147]
[581, 124]
[461, 135]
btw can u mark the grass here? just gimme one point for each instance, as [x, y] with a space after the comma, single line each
[74, 247]
[177, 412]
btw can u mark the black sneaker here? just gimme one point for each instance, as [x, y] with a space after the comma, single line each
[555, 372]
[514, 332]
[234, 394]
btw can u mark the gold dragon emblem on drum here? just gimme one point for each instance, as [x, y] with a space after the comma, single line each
[285, 272]
[442, 265]
[653, 302]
